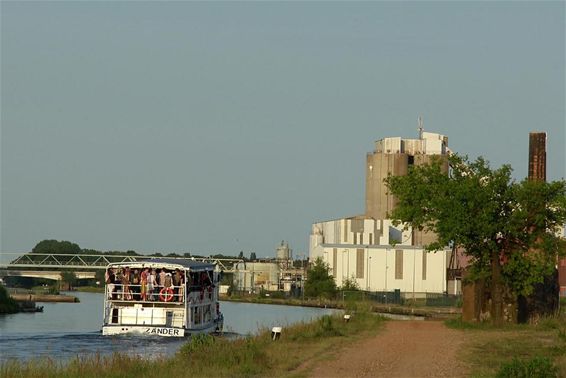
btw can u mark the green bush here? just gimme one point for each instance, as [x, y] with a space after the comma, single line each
[277, 295]
[537, 367]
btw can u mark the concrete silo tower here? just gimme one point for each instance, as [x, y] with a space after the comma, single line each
[394, 156]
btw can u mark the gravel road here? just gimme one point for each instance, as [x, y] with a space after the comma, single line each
[402, 349]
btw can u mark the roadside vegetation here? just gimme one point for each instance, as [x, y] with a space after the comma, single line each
[292, 355]
[515, 350]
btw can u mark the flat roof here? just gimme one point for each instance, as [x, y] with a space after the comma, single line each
[164, 262]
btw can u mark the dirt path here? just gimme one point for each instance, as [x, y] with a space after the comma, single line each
[402, 349]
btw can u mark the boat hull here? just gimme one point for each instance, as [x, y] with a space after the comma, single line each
[111, 330]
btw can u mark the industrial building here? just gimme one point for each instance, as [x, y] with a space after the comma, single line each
[368, 248]
[270, 275]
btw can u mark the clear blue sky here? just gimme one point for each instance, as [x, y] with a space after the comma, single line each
[220, 127]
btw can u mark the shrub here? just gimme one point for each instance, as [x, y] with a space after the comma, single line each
[539, 367]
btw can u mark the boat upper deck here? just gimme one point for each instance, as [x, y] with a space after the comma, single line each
[167, 263]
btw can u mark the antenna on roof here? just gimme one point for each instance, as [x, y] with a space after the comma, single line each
[420, 121]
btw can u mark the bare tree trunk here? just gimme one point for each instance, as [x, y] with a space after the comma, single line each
[496, 290]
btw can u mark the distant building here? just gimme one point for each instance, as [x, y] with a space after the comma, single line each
[270, 274]
[254, 276]
[368, 248]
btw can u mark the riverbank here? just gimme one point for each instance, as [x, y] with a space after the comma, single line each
[367, 346]
[206, 356]
[420, 311]
[21, 297]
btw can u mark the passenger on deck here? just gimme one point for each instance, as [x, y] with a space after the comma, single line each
[166, 292]
[162, 277]
[143, 282]
[135, 280]
[151, 284]
[168, 281]
[182, 289]
[126, 276]
[176, 285]
[110, 279]
[118, 287]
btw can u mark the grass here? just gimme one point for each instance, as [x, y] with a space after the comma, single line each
[205, 356]
[491, 350]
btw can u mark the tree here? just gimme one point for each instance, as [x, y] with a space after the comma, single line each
[319, 281]
[99, 276]
[350, 284]
[7, 304]
[70, 278]
[55, 246]
[509, 229]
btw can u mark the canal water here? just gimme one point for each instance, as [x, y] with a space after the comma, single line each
[66, 330]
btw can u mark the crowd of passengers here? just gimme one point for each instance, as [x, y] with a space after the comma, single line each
[149, 284]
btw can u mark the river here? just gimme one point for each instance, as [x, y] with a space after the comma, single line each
[65, 330]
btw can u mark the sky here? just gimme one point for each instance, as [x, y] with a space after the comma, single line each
[219, 127]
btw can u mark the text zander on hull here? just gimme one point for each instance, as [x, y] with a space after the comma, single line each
[162, 297]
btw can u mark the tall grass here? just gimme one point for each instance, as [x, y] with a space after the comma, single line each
[539, 367]
[207, 356]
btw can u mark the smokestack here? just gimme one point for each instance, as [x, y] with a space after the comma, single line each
[537, 156]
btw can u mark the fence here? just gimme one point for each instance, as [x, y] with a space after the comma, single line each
[399, 298]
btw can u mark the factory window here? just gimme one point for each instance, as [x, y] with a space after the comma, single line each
[411, 160]
[424, 265]
[361, 238]
[355, 238]
[359, 263]
[398, 264]
[370, 238]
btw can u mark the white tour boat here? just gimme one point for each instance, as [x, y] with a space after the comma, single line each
[182, 300]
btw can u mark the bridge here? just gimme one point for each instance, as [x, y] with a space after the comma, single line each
[50, 265]
[48, 274]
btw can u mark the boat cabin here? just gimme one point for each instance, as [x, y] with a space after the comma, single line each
[166, 297]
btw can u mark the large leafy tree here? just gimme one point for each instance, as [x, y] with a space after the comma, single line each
[510, 229]
[55, 246]
[70, 278]
[319, 281]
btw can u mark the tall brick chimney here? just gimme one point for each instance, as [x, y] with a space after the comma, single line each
[537, 156]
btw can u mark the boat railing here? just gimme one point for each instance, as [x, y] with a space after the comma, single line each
[140, 293]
